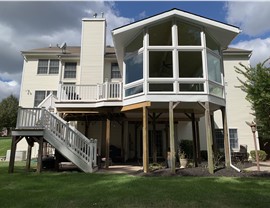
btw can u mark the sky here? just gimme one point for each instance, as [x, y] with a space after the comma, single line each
[29, 25]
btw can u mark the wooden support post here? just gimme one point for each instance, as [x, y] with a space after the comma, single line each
[145, 141]
[40, 154]
[172, 142]
[108, 135]
[154, 139]
[209, 138]
[226, 137]
[136, 141]
[126, 141]
[122, 142]
[28, 159]
[198, 142]
[12, 154]
[194, 135]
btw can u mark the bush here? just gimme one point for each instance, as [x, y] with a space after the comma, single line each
[186, 146]
[262, 155]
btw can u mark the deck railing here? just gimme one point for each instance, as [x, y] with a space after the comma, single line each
[91, 93]
[68, 136]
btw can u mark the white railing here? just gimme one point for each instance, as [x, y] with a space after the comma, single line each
[68, 136]
[91, 93]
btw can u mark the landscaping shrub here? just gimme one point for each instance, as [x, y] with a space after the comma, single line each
[262, 155]
[187, 147]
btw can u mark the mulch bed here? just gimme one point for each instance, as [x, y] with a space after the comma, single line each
[202, 171]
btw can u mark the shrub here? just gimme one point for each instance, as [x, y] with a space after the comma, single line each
[186, 146]
[262, 155]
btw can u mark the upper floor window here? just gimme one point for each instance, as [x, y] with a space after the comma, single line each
[70, 70]
[212, 44]
[115, 71]
[188, 34]
[161, 34]
[48, 66]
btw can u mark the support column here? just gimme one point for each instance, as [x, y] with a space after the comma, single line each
[198, 142]
[28, 159]
[108, 137]
[145, 141]
[172, 142]
[12, 154]
[194, 135]
[40, 154]
[213, 133]
[154, 139]
[226, 137]
[209, 138]
[126, 141]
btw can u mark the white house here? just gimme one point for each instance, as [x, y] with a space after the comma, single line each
[167, 79]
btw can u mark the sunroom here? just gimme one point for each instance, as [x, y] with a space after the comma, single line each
[171, 54]
[171, 58]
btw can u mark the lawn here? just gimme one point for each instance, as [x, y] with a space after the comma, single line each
[5, 144]
[73, 189]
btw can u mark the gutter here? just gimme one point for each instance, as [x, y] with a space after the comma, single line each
[231, 165]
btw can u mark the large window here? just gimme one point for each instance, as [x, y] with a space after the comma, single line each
[214, 67]
[70, 70]
[190, 64]
[40, 95]
[160, 64]
[233, 135]
[48, 66]
[134, 67]
[115, 71]
[161, 34]
[188, 34]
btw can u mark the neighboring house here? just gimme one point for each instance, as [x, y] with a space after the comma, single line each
[162, 82]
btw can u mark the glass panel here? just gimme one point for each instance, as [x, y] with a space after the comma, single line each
[188, 34]
[42, 66]
[39, 97]
[233, 138]
[160, 64]
[134, 67]
[211, 44]
[70, 70]
[191, 87]
[215, 90]
[134, 90]
[135, 45]
[161, 34]
[190, 64]
[214, 69]
[115, 73]
[54, 67]
[161, 87]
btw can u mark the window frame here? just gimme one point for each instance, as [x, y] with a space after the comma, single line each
[115, 70]
[48, 67]
[70, 70]
[235, 140]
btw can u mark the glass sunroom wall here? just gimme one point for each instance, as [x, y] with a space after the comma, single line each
[133, 60]
[214, 67]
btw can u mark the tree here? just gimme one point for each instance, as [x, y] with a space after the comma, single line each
[257, 86]
[8, 112]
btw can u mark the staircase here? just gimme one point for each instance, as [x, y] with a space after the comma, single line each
[66, 139]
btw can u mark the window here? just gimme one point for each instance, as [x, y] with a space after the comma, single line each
[115, 71]
[214, 67]
[190, 64]
[161, 34]
[233, 135]
[160, 64]
[40, 95]
[46, 66]
[134, 67]
[188, 34]
[70, 70]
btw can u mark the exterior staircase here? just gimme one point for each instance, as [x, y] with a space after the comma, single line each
[71, 143]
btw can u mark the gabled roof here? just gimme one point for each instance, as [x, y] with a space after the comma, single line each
[223, 33]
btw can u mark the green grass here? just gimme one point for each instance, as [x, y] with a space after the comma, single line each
[72, 189]
[5, 144]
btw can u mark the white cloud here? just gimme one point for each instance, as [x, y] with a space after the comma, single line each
[260, 49]
[251, 17]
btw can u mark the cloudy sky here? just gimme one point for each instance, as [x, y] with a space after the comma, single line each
[28, 25]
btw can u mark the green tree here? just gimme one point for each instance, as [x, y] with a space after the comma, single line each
[8, 112]
[256, 84]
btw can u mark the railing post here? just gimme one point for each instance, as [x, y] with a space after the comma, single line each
[42, 117]
[18, 117]
[106, 90]
[59, 91]
[66, 133]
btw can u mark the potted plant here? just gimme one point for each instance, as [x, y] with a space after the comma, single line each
[183, 159]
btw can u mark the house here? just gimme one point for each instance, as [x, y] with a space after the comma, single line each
[168, 78]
